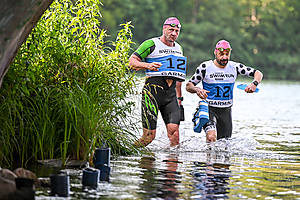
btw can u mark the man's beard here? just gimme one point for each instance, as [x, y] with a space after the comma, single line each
[222, 62]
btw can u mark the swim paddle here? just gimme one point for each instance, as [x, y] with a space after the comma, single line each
[243, 87]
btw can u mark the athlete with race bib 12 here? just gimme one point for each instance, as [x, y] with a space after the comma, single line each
[218, 77]
[165, 66]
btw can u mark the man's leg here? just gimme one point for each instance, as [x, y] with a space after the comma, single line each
[210, 128]
[224, 124]
[211, 136]
[147, 137]
[173, 133]
[149, 115]
[210, 131]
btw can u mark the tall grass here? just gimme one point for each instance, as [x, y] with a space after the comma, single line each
[66, 92]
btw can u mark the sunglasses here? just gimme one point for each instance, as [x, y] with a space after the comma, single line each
[223, 49]
[174, 25]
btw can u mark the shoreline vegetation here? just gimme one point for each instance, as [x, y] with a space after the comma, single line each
[66, 92]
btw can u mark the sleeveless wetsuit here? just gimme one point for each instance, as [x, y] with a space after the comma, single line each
[220, 83]
[156, 94]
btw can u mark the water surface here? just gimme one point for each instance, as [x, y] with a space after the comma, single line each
[260, 161]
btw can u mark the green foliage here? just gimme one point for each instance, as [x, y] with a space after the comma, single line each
[66, 92]
[263, 33]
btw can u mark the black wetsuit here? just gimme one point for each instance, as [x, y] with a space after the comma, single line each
[224, 119]
[157, 95]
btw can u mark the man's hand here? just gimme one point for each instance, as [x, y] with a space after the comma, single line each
[137, 64]
[202, 93]
[190, 87]
[250, 88]
[154, 66]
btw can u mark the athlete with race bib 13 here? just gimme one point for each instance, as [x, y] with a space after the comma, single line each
[162, 59]
[218, 77]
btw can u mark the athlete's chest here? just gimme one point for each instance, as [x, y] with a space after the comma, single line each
[220, 75]
[162, 50]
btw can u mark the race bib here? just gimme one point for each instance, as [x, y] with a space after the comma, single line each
[172, 66]
[220, 94]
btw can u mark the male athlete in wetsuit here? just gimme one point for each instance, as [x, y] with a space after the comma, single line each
[165, 66]
[218, 77]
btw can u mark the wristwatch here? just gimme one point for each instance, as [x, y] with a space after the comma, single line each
[180, 98]
[255, 83]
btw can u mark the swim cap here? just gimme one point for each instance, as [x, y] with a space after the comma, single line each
[172, 21]
[222, 44]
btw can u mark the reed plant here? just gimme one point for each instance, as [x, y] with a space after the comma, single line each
[67, 91]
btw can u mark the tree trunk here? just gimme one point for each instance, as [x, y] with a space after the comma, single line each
[17, 18]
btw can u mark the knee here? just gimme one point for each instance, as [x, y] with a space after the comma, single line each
[174, 138]
[173, 134]
[210, 131]
[173, 130]
[211, 136]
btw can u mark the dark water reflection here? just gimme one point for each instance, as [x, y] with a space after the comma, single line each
[212, 180]
[172, 178]
[209, 180]
[163, 182]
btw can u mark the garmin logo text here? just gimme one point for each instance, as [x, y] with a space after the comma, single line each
[219, 103]
[175, 74]
[169, 51]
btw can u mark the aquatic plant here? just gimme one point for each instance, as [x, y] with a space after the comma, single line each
[66, 91]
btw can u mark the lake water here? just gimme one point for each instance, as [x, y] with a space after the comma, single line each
[260, 161]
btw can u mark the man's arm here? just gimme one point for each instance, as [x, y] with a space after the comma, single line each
[258, 76]
[137, 64]
[178, 91]
[190, 87]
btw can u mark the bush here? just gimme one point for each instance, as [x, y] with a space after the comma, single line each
[66, 91]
